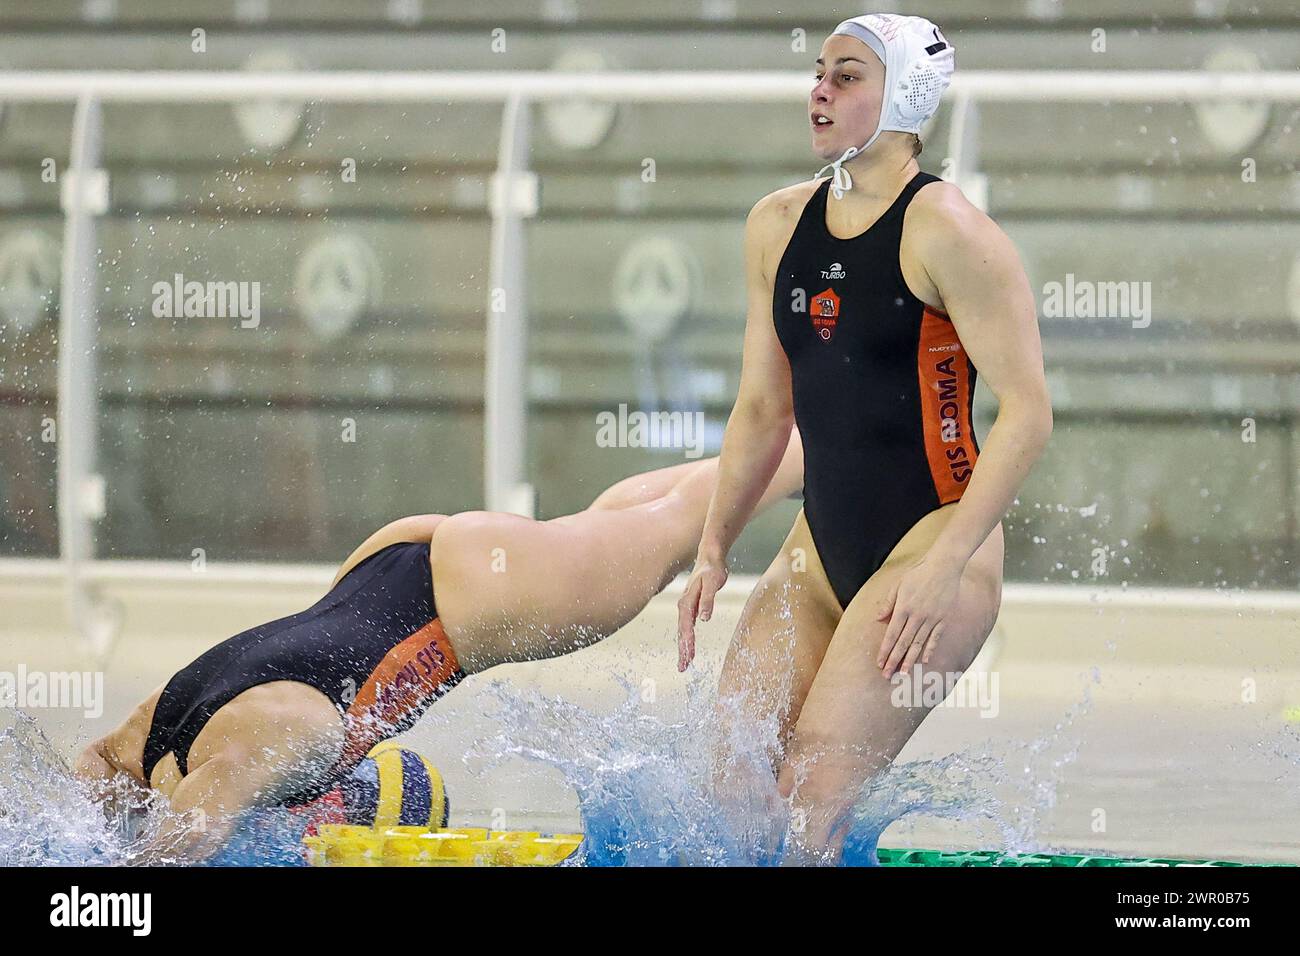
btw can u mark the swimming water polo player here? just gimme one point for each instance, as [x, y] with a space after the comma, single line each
[873, 296]
[279, 714]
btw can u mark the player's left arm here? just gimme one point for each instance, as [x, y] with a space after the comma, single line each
[205, 808]
[111, 768]
[977, 277]
[956, 258]
[213, 798]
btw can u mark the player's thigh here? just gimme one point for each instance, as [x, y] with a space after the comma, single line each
[509, 588]
[783, 633]
[852, 712]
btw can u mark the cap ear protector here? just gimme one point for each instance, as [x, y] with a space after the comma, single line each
[918, 93]
[919, 64]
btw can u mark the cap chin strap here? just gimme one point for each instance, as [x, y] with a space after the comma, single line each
[841, 181]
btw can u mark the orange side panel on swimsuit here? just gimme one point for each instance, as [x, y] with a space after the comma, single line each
[945, 377]
[412, 673]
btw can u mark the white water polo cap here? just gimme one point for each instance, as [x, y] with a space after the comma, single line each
[919, 64]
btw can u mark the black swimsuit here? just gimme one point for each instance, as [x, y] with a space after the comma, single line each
[882, 390]
[373, 645]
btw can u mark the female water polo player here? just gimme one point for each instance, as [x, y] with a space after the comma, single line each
[278, 714]
[867, 317]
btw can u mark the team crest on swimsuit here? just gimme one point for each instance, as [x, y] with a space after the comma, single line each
[825, 314]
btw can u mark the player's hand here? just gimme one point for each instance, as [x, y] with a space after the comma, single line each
[917, 607]
[707, 578]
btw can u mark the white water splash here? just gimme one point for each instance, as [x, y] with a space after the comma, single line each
[697, 787]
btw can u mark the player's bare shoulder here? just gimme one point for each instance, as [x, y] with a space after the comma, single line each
[940, 219]
[123, 746]
[772, 220]
[942, 206]
[950, 243]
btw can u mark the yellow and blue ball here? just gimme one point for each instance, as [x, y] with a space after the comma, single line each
[395, 786]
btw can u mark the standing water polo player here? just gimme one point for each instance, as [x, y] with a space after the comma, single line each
[867, 317]
[278, 714]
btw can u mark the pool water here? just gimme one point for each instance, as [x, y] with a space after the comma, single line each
[647, 788]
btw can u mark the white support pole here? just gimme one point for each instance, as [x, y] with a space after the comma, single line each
[80, 488]
[512, 198]
[962, 161]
